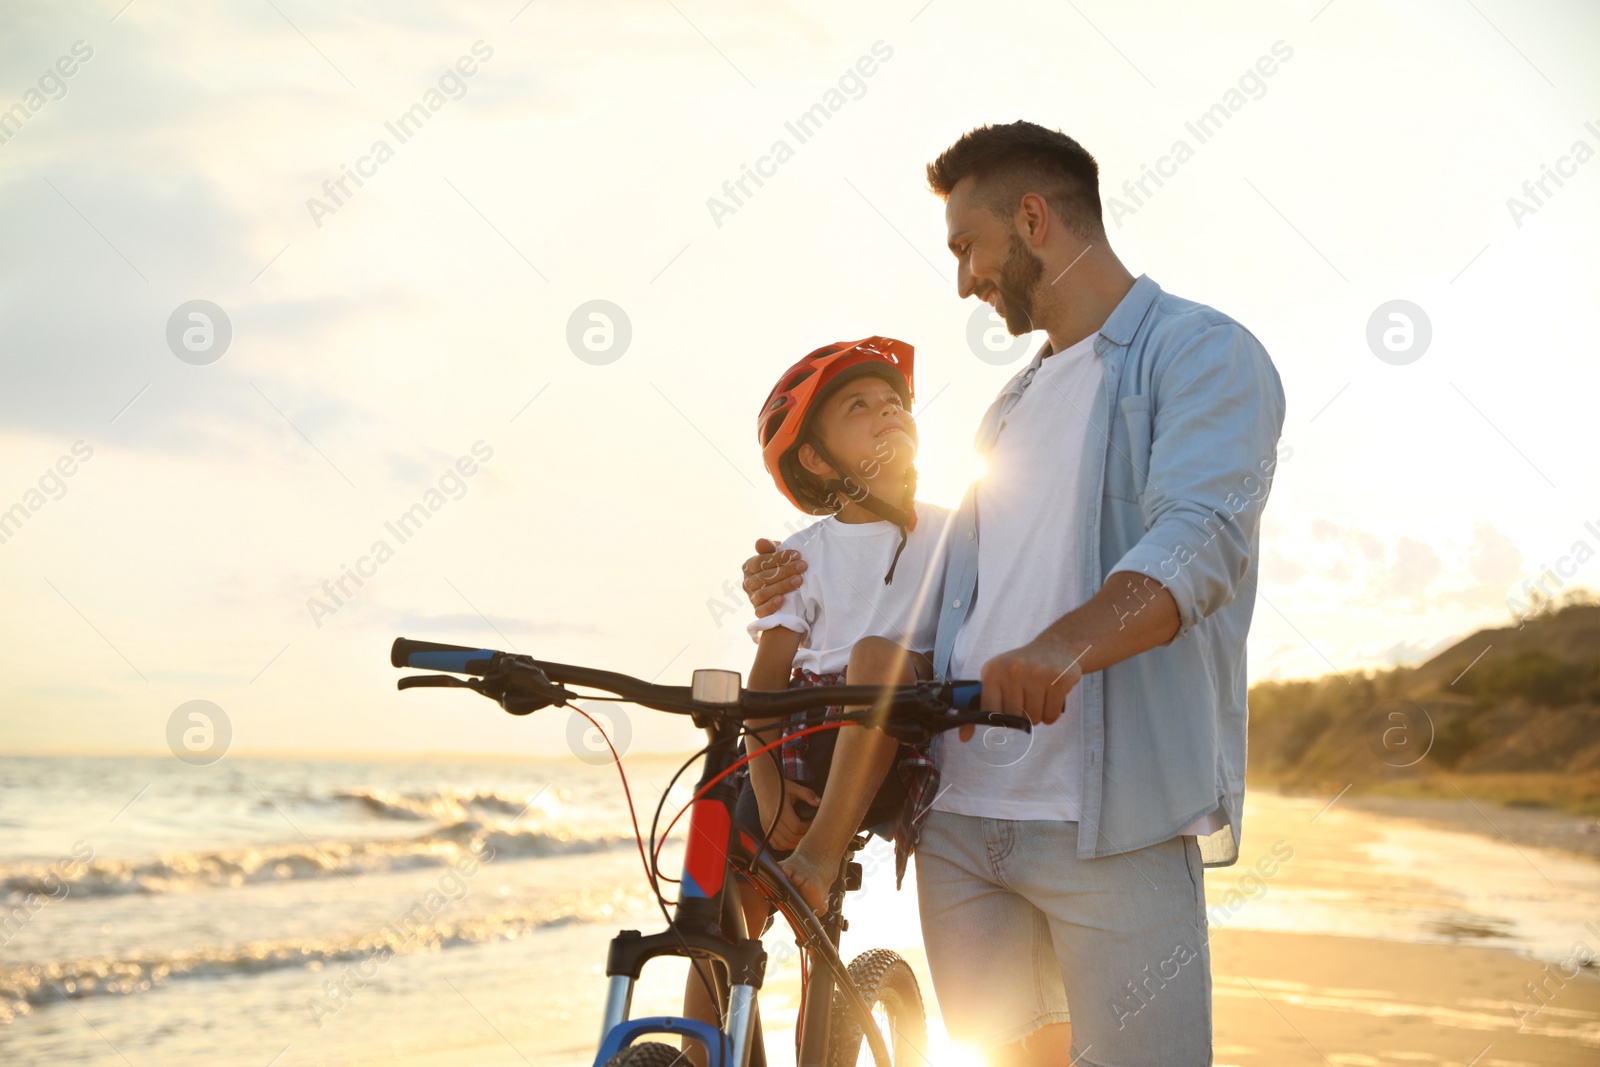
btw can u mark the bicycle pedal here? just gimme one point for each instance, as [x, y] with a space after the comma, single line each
[852, 876]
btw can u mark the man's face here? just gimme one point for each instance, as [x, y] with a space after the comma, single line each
[993, 262]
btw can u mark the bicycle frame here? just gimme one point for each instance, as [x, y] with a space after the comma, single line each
[707, 905]
[708, 923]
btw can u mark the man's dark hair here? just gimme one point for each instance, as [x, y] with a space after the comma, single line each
[1018, 158]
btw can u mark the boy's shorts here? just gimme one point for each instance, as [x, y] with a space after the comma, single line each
[885, 807]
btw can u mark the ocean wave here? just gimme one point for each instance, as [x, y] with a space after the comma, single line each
[182, 872]
[24, 987]
[444, 806]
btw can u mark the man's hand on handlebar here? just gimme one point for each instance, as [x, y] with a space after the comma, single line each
[769, 575]
[1032, 681]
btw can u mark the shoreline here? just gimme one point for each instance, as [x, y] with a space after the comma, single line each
[1551, 828]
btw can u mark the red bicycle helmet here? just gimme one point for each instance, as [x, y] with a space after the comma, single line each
[786, 414]
[784, 424]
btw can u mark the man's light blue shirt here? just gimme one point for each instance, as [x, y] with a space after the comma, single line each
[1180, 454]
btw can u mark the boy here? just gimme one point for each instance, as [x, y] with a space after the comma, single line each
[838, 439]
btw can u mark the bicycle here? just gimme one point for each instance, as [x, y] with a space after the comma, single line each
[707, 924]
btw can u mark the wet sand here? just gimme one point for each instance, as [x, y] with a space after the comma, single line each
[1287, 1000]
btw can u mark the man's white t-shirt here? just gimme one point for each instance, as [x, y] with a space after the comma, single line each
[1028, 533]
[842, 596]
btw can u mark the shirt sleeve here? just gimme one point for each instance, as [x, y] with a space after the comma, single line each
[782, 617]
[799, 608]
[1218, 411]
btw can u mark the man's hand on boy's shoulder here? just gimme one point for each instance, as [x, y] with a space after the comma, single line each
[770, 574]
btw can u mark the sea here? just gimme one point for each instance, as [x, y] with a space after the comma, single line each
[293, 913]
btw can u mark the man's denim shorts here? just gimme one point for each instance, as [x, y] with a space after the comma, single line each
[1017, 928]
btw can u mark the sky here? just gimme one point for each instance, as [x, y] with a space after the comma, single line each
[193, 489]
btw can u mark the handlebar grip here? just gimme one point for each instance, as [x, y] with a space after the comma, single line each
[804, 810]
[432, 656]
[964, 696]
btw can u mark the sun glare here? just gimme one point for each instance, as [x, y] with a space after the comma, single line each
[942, 1052]
[943, 475]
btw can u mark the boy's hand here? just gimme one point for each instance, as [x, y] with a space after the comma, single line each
[770, 574]
[791, 827]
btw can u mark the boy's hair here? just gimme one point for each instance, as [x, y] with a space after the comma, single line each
[1013, 160]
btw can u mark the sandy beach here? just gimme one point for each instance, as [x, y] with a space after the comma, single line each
[1448, 984]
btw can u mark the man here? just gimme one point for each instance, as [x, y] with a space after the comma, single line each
[1101, 580]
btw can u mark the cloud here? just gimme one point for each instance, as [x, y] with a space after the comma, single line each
[1413, 570]
[1495, 560]
[1366, 542]
[1278, 567]
[1403, 573]
[84, 334]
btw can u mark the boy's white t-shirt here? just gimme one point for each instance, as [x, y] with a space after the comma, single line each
[842, 597]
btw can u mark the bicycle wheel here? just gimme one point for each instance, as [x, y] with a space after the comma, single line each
[886, 982]
[649, 1054]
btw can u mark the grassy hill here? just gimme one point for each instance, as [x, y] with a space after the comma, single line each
[1510, 715]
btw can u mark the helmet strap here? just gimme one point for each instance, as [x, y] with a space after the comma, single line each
[903, 516]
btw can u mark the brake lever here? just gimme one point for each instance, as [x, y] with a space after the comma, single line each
[431, 681]
[497, 686]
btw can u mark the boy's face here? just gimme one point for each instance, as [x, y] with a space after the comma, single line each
[863, 426]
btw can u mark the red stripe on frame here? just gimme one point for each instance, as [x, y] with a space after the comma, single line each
[705, 859]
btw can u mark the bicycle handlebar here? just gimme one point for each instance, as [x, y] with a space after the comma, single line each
[460, 659]
[522, 684]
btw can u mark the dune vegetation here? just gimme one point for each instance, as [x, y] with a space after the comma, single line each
[1510, 715]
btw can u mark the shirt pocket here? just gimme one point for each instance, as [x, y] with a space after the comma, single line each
[1128, 462]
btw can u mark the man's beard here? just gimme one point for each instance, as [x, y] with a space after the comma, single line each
[1019, 276]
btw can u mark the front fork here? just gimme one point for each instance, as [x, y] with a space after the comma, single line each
[619, 998]
[730, 1047]
[706, 897]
